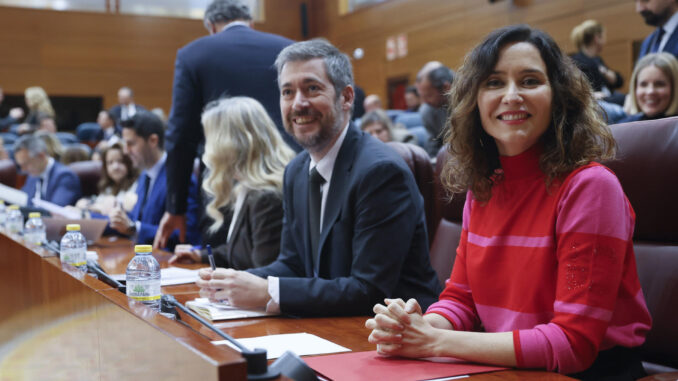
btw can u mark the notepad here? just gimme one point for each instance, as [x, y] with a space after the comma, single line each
[223, 311]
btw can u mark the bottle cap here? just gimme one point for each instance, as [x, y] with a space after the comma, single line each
[34, 215]
[13, 207]
[143, 248]
[73, 227]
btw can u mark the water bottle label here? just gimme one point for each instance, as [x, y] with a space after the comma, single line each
[34, 238]
[143, 290]
[75, 257]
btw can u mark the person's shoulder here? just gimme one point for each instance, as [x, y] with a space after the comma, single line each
[373, 153]
[593, 175]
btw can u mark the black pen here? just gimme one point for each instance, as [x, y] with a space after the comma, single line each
[211, 257]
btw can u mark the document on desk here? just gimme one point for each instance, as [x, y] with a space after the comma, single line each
[359, 366]
[170, 276]
[302, 344]
[13, 196]
[223, 311]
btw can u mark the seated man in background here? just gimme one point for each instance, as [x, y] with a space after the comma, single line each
[372, 102]
[353, 228]
[433, 84]
[47, 179]
[144, 136]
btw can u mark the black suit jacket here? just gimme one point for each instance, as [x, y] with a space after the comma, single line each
[116, 112]
[373, 242]
[236, 61]
[255, 240]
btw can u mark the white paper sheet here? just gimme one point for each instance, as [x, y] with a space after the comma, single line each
[13, 196]
[170, 276]
[302, 344]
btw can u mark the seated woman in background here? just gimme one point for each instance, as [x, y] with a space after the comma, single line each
[652, 91]
[117, 185]
[39, 108]
[245, 157]
[589, 38]
[379, 125]
[545, 265]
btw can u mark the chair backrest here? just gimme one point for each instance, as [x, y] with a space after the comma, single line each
[8, 172]
[393, 114]
[88, 132]
[420, 165]
[89, 173]
[447, 218]
[76, 152]
[647, 167]
[66, 138]
[409, 119]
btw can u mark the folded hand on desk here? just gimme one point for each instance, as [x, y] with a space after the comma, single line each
[239, 288]
[400, 329]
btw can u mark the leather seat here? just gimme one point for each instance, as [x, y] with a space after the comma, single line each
[647, 167]
[420, 165]
[8, 172]
[89, 173]
[447, 218]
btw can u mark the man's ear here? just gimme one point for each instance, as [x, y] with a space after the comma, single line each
[349, 96]
[153, 140]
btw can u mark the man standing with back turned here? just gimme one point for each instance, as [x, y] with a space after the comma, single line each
[233, 60]
[353, 229]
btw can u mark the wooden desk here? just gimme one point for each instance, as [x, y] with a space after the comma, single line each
[61, 327]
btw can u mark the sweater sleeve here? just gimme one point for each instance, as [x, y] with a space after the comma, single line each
[456, 301]
[594, 228]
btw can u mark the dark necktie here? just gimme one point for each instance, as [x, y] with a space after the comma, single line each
[147, 179]
[657, 41]
[315, 181]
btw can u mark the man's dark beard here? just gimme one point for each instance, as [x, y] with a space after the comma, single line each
[655, 19]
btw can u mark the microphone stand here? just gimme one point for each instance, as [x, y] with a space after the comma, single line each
[257, 366]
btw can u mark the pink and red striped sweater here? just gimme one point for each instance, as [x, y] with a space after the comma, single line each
[556, 268]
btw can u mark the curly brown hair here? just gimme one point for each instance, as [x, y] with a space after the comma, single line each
[576, 136]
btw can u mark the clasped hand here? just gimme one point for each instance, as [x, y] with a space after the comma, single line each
[399, 329]
[239, 288]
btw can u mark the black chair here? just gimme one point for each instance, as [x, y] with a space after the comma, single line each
[89, 132]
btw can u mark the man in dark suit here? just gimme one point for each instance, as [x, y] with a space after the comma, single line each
[353, 228]
[47, 179]
[144, 137]
[233, 60]
[126, 108]
[664, 15]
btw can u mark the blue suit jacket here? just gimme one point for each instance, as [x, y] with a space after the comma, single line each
[155, 208]
[373, 242]
[63, 186]
[670, 47]
[235, 62]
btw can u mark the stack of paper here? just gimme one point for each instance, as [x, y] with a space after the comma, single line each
[222, 311]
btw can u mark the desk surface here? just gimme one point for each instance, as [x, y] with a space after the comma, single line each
[349, 332]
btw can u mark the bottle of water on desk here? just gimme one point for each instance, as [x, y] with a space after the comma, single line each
[73, 250]
[34, 230]
[14, 225]
[143, 277]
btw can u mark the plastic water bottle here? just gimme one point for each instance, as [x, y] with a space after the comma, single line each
[34, 230]
[73, 250]
[14, 223]
[3, 215]
[143, 277]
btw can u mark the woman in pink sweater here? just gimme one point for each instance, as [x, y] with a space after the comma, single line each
[545, 274]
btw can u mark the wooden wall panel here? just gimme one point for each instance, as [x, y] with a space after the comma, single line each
[81, 53]
[446, 30]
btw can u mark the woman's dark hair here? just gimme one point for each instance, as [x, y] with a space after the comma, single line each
[576, 136]
[106, 181]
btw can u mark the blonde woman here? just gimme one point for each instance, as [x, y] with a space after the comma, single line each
[245, 157]
[589, 38]
[38, 105]
[652, 92]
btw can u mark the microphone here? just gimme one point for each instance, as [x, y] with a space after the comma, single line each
[94, 267]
